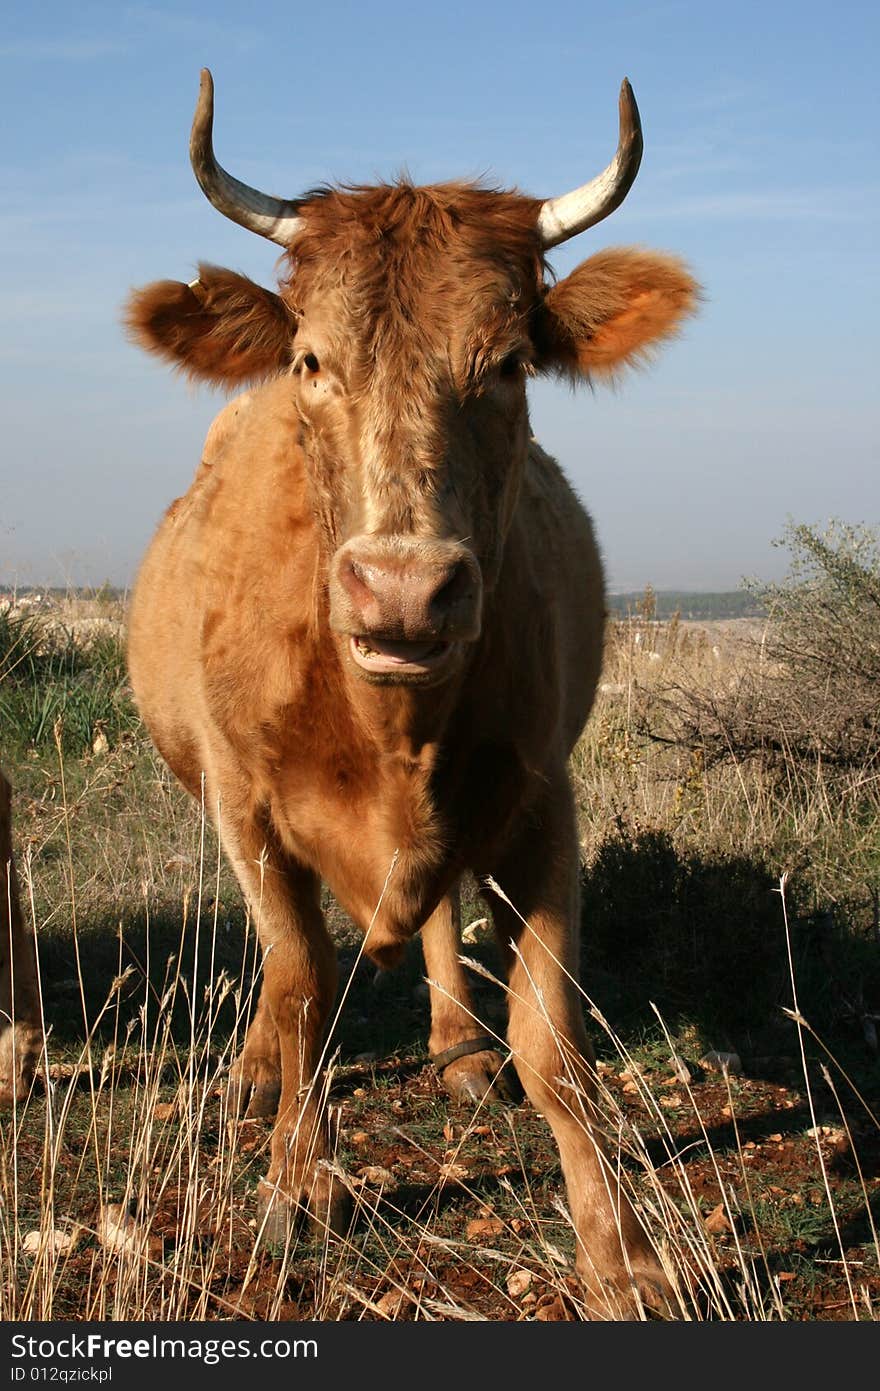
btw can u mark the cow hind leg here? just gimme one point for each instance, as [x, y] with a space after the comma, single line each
[619, 1267]
[288, 1030]
[463, 1052]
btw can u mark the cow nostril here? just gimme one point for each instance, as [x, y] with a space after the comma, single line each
[356, 578]
[402, 589]
[453, 589]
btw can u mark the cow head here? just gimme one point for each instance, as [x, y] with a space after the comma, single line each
[408, 321]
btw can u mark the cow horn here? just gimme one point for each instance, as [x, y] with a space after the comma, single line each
[258, 212]
[563, 217]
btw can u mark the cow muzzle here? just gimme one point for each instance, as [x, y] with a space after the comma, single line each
[408, 605]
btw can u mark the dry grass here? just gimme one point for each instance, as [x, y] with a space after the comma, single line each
[124, 1147]
[813, 822]
[124, 1183]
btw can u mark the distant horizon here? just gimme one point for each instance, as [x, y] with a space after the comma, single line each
[611, 592]
[72, 576]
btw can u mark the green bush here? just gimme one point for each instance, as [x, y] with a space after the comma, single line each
[51, 679]
[808, 688]
[823, 638]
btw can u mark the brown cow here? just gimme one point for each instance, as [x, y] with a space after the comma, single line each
[375, 623]
[20, 1027]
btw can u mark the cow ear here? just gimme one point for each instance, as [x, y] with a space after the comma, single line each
[223, 328]
[612, 311]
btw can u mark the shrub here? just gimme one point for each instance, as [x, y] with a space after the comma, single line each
[808, 689]
[51, 677]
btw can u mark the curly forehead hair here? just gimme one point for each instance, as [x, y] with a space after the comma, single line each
[393, 230]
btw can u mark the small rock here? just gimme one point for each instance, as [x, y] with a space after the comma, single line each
[551, 1309]
[480, 1227]
[452, 1173]
[375, 1174]
[833, 1137]
[725, 1063]
[672, 1101]
[718, 1222]
[395, 1304]
[519, 1283]
[56, 1243]
[121, 1233]
[681, 1070]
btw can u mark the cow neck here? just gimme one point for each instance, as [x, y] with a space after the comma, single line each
[404, 725]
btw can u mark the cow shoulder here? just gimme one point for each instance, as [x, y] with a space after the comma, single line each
[558, 531]
[552, 606]
[254, 535]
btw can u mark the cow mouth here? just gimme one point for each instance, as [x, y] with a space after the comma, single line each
[395, 658]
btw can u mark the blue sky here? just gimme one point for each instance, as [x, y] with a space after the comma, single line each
[760, 168]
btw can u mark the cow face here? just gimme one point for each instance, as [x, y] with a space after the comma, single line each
[408, 321]
[413, 310]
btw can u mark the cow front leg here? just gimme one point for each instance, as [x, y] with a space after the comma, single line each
[254, 1088]
[288, 1031]
[617, 1263]
[464, 1054]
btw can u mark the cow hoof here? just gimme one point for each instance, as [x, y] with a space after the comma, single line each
[253, 1093]
[280, 1216]
[648, 1294]
[480, 1077]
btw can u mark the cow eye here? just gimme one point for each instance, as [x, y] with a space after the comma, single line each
[311, 363]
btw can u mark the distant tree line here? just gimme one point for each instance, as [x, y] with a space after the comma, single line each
[667, 603]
